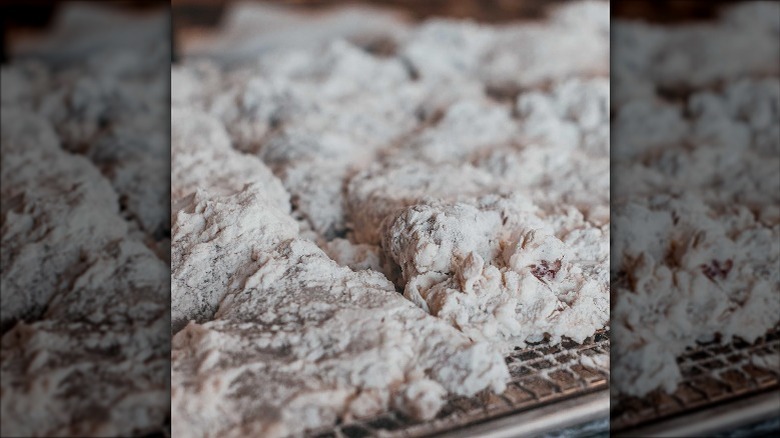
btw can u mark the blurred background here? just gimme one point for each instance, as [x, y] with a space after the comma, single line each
[668, 11]
[196, 21]
[193, 19]
[208, 12]
[207, 26]
[25, 20]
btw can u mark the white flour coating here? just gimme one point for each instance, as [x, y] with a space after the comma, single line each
[679, 58]
[314, 119]
[202, 267]
[43, 216]
[596, 361]
[80, 353]
[465, 127]
[427, 171]
[383, 188]
[696, 233]
[357, 256]
[573, 42]
[211, 162]
[108, 109]
[85, 280]
[768, 361]
[503, 284]
[323, 341]
[119, 124]
[213, 239]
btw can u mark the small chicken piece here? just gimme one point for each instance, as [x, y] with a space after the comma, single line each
[502, 285]
[380, 190]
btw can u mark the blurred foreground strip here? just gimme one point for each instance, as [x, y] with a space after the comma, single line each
[85, 226]
[696, 215]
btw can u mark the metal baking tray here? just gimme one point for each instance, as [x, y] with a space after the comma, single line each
[550, 389]
[721, 385]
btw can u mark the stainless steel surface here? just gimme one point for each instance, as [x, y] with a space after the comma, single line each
[550, 389]
[722, 386]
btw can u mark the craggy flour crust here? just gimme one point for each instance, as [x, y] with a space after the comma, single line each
[353, 233]
[696, 235]
[85, 280]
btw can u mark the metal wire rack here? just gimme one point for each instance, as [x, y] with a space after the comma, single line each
[714, 374]
[541, 375]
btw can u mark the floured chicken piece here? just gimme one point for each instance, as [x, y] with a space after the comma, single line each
[87, 355]
[324, 343]
[384, 188]
[35, 202]
[79, 352]
[570, 43]
[505, 285]
[690, 283]
[109, 109]
[285, 308]
[119, 124]
[314, 120]
[202, 157]
[85, 223]
[696, 232]
[211, 162]
[213, 238]
[564, 219]
[355, 234]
